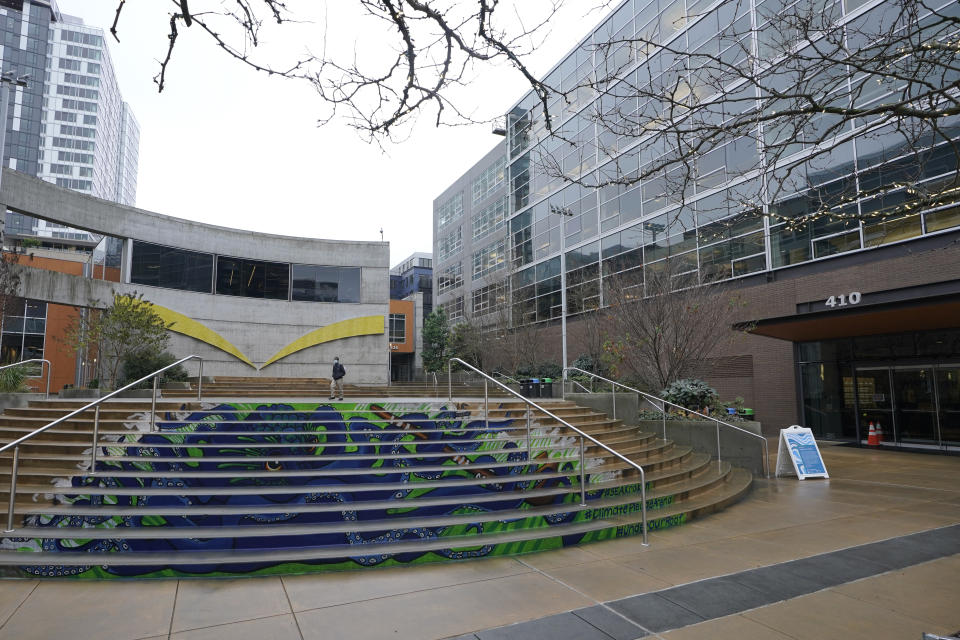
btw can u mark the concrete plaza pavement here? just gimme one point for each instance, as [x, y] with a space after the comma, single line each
[871, 496]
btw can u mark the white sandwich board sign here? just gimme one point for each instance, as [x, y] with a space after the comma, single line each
[799, 455]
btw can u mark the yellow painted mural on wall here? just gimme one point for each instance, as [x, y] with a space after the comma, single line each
[187, 326]
[179, 323]
[365, 326]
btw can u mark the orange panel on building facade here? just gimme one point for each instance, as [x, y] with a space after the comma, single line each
[406, 309]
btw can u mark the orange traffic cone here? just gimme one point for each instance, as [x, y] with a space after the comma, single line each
[879, 434]
[872, 437]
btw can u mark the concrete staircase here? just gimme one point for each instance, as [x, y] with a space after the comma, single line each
[270, 485]
[258, 387]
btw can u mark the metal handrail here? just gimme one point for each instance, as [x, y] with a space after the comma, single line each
[571, 380]
[583, 436]
[49, 370]
[663, 408]
[503, 375]
[15, 445]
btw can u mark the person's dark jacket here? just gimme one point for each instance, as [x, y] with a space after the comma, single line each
[338, 371]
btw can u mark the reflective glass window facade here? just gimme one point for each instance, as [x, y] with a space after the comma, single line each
[253, 278]
[170, 268]
[729, 220]
[312, 283]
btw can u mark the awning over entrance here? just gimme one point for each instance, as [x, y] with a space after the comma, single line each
[893, 317]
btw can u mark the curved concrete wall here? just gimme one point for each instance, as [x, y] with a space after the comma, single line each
[256, 328]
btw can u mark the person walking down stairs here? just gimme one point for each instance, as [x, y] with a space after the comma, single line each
[336, 385]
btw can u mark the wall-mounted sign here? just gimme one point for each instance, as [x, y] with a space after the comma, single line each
[798, 445]
[394, 347]
[843, 300]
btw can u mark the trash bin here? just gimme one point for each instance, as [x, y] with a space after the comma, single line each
[534, 388]
[746, 414]
[525, 387]
[546, 388]
[732, 411]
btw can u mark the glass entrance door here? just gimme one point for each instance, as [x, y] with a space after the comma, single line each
[875, 401]
[948, 396]
[915, 405]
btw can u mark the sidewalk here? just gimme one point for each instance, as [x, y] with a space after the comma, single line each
[871, 496]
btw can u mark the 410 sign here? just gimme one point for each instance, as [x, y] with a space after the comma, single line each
[844, 300]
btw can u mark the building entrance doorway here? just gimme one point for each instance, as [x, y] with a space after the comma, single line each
[916, 405]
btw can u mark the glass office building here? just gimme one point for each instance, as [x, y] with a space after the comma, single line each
[728, 223]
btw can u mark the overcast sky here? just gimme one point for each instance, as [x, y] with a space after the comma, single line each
[225, 145]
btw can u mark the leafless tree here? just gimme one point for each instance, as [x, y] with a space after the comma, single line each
[666, 326]
[425, 50]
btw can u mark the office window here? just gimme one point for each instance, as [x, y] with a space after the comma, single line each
[490, 180]
[449, 211]
[398, 327]
[253, 278]
[315, 283]
[160, 266]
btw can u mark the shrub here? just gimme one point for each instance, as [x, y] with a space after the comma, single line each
[689, 393]
[14, 380]
[135, 366]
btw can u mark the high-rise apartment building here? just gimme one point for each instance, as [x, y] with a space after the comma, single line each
[825, 339]
[69, 125]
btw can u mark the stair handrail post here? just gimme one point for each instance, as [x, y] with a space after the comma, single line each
[153, 404]
[486, 406]
[96, 439]
[14, 469]
[583, 479]
[719, 466]
[613, 396]
[528, 433]
[582, 434]
[664, 402]
[663, 416]
[200, 382]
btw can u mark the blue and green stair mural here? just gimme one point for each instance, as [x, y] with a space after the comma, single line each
[287, 487]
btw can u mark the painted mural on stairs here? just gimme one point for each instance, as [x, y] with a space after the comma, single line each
[428, 444]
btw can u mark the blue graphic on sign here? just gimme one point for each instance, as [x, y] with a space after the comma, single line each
[803, 449]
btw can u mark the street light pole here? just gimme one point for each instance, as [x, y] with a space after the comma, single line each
[563, 212]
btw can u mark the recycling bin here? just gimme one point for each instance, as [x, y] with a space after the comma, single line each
[546, 388]
[534, 388]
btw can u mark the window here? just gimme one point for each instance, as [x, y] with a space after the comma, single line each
[490, 180]
[449, 211]
[253, 278]
[72, 65]
[77, 185]
[450, 245]
[490, 218]
[450, 278]
[314, 283]
[489, 298]
[489, 259]
[398, 327]
[171, 268]
[453, 309]
[24, 328]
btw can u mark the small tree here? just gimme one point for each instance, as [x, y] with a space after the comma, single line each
[666, 327]
[126, 329]
[436, 339]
